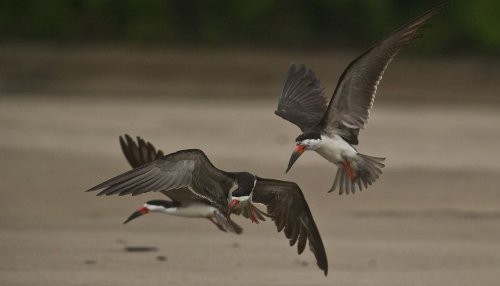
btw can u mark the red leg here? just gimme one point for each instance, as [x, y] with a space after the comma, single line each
[252, 214]
[349, 170]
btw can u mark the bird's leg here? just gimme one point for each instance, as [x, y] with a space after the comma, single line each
[219, 226]
[252, 214]
[350, 172]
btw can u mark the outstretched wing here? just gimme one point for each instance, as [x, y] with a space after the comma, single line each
[288, 208]
[353, 97]
[302, 100]
[189, 169]
[143, 152]
[139, 153]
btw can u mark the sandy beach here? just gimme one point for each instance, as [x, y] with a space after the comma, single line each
[432, 218]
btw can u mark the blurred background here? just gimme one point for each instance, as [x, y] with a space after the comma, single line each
[468, 27]
[158, 47]
[74, 75]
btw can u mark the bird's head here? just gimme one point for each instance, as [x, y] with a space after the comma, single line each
[151, 206]
[242, 193]
[305, 141]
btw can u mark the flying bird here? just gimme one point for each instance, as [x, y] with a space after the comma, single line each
[332, 130]
[188, 176]
[182, 203]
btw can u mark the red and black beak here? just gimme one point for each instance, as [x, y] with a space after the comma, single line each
[231, 206]
[299, 149]
[136, 214]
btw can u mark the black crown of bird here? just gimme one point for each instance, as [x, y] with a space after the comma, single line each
[197, 188]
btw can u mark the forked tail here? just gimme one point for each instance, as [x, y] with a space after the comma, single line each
[357, 173]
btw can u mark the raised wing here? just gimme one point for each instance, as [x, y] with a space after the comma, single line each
[353, 97]
[302, 100]
[288, 209]
[139, 153]
[189, 169]
[143, 152]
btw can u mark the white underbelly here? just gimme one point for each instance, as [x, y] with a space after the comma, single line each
[194, 210]
[335, 149]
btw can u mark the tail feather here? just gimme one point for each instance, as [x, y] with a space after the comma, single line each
[367, 170]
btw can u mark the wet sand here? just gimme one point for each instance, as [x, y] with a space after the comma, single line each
[432, 219]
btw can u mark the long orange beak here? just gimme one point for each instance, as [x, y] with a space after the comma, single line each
[136, 214]
[299, 149]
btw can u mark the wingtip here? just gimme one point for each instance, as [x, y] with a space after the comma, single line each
[101, 193]
[324, 267]
[438, 9]
[91, 189]
[96, 188]
[124, 139]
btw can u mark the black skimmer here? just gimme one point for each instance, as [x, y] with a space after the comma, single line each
[332, 130]
[188, 176]
[182, 204]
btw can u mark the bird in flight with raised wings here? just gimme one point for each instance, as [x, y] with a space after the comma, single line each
[332, 130]
[182, 203]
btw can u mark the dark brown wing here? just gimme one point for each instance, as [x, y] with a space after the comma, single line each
[143, 152]
[288, 208]
[352, 100]
[139, 153]
[186, 169]
[184, 196]
[302, 100]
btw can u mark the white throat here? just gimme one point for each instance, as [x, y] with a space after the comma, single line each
[242, 198]
[312, 144]
[155, 208]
